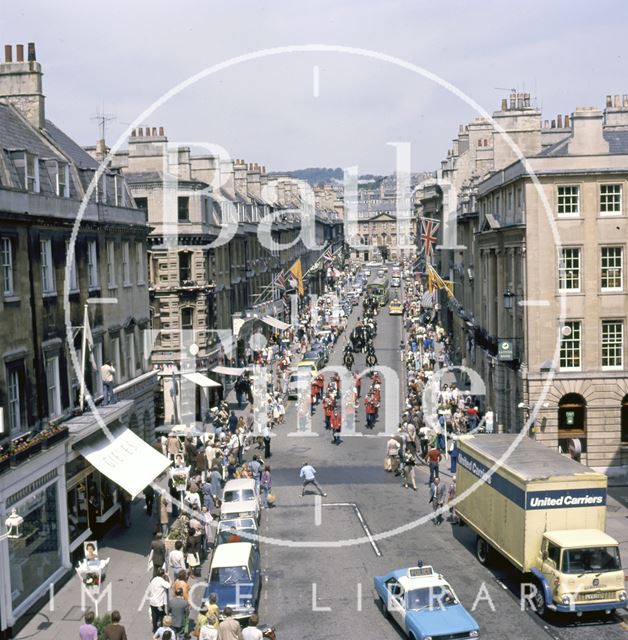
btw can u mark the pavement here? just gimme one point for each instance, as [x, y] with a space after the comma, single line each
[320, 555]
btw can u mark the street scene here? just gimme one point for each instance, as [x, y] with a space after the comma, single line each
[368, 382]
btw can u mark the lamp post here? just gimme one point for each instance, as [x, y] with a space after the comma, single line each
[509, 298]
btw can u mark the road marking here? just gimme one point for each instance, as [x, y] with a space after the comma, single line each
[316, 81]
[367, 531]
[318, 510]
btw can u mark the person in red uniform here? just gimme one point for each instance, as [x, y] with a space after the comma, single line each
[358, 385]
[320, 383]
[370, 408]
[336, 423]
[328, 408]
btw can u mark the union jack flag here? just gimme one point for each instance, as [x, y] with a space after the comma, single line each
[328, 256]
[429, 229]
[280, 281]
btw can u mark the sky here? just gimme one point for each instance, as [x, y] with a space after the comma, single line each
[122, 56]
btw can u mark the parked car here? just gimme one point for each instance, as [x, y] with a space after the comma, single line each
[316, 357]
[235, 577]
[424, 605]
[234, 530]
[240, 498]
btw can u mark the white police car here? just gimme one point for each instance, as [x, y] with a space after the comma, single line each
[424, 605]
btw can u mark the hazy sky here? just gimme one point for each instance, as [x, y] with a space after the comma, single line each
[126, 53]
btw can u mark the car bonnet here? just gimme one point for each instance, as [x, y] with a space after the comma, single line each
[452, 619]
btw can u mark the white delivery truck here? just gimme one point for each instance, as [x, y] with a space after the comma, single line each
[546, 514]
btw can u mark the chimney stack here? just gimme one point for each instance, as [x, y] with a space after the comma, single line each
[566, 122]
[559, 121]
[20, 83]
[609, 101]
[504, 104]
[553, 124]
[161, 131]
[587, 138]
[616, 102]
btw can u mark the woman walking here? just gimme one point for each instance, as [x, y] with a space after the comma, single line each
[266, 484]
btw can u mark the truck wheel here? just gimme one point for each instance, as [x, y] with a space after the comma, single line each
[539, 600]
[482, 550]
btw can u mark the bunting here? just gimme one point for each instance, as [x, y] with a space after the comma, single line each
[297, 272]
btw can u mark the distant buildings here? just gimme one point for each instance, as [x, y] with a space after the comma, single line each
[522, 250]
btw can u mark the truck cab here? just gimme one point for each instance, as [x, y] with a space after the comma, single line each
[582, 572]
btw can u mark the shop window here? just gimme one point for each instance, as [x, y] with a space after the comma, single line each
[36, 555]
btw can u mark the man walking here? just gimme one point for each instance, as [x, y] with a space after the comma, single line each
[158, 597]
[336, 424]
[434, 456]
[437, 499]
[107, 373]
[308, 473]
[179, 612]
[229, 628]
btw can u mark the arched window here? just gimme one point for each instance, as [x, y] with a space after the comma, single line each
[572, 424]
[624, 420]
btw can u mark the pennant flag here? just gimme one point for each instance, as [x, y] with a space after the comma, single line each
[89, 340]
[429, 229]
[296, 271]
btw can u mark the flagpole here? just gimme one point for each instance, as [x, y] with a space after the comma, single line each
[83, 350]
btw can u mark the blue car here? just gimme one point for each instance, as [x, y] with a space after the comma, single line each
[424, 605]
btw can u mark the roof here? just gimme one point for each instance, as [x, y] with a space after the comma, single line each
[530, 460]
[580, 538]
[617, 144]
[418, 582]
[17, 133]
[240, 483]
[231, 555]
[79, 156]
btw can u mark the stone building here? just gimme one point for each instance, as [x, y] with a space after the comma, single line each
[44, 474]
[539, 273]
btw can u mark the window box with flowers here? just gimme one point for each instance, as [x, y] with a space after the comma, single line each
[5, 462]
[53, 434]
[24, 447]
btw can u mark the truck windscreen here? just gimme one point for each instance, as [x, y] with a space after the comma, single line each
[591, 560]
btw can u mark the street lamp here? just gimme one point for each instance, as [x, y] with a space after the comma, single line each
[13, 524]
[509, 298]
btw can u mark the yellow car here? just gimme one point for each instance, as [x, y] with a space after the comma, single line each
[309, 363]
[395, 308]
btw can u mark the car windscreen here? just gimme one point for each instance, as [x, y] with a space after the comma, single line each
[437, 597]
[238, 495]
[593, 560]
[230, 575]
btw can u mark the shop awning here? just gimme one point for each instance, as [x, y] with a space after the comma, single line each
[124, 458]
[228, 371]
[278, 324]
[201, 380]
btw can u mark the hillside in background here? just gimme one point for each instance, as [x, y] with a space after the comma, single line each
[313, 175]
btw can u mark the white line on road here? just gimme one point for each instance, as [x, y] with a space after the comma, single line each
[318, 511]
[355, 507]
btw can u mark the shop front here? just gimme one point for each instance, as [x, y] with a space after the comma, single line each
[30, 563]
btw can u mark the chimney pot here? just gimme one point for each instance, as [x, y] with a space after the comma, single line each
[140, 131]
[133, 132]
[504, 104]
[553, 124]
[31, 52]
[8, 53]
[609, 101]
[559, 121]
[19, 53]
[263, 168]
[624, 99]
[546, 124]
[616, 103]
[161, 131]
[566, 121]
[154, 131]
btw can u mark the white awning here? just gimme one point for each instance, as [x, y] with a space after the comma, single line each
[124, 458]
[201, 380]
[278, 324]
[228, 371]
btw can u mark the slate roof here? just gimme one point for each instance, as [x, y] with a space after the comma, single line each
[79, 156]
[15, 133]
[617, 142]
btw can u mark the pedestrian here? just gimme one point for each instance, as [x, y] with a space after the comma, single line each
[266, 485]
[424, 438]
[107, 375]
[233, 422]
[176, 559]
[229, 628]
[164, 516]
[87, 631]
[115, 631]
[434, 456]
[149, 497]
[255, 467]
[158, 597]
[453, 454]
[451, 496]
[251, 632]
[208, 631]
[267, 437]
[157, 556]
[213, 611]
[308, 473]
[179, 612]
[336, 426]
[165, 632]
[408, 470]
[437, 499]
